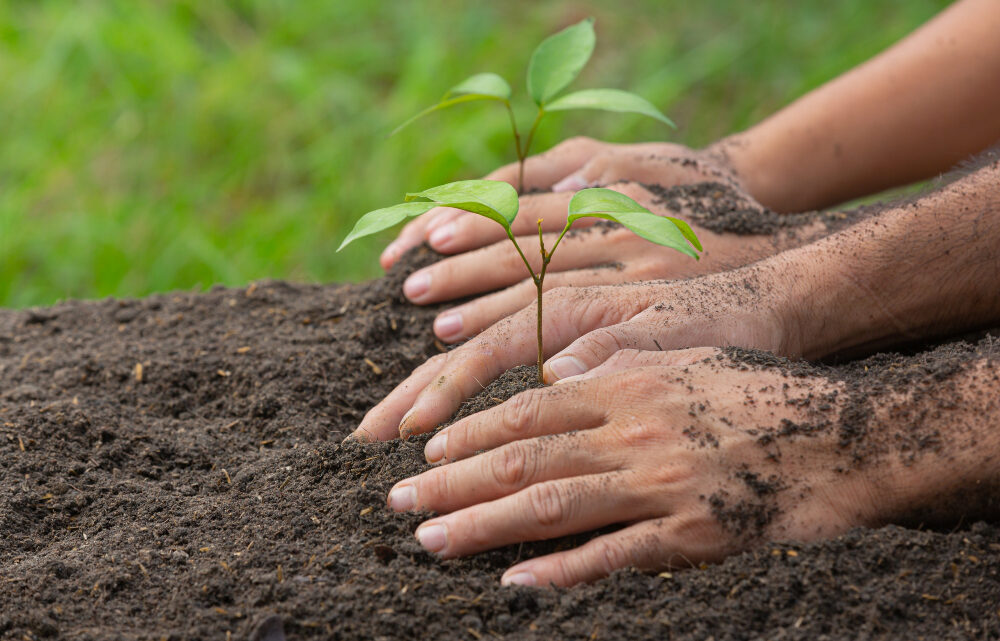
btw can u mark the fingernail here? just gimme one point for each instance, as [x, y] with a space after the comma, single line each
[435, 448]
[519, 578]
[570, 183]
[448, 325]
[566, 366]
[405, 426]
[433, 537]
[417, 285]
[403, 498]
[390, 253]
[441, 236]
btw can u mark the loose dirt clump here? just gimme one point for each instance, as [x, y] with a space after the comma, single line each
[723, 209]
[173, 468]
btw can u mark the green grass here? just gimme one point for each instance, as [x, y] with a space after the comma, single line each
[171, 145]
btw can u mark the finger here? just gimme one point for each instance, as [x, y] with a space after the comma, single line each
[641, 332]
[540, 511]
[665, 169]
[498, 473]
[413, 233]
[542, 170]
[465, 321]
[570, 312]
[496, 266]
[658, 544]
[463, 233]
[381, 423]
[530, 414]
[631, 358]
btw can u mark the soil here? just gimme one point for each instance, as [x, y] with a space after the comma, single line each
[722, 208]
[173, 469]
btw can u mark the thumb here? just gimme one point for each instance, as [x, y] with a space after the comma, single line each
[615, 166]
[595, 347]
[602, 169]
[632, 358]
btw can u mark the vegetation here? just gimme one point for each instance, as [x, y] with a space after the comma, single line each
[555, 63]
[176, 144]
[498, 201]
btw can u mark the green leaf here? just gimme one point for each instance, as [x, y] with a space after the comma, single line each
[493, 199]
[441, 105]
[481, 84]
[687, 232]
[375, 221]
[558, 60]
[608, 100]
[615, 206]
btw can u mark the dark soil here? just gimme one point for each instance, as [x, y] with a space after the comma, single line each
[173, 468]
[723, 209]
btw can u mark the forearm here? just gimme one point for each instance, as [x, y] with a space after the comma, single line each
[914, 111]
[922, 269]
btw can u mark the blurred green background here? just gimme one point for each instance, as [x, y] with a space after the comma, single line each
[149, 146]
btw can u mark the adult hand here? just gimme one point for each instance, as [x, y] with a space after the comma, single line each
[593, 256]
[682, 446]
[586, 325]
[569, 166]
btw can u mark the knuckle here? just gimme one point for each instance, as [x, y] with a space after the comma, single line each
[637, 434]
[611, 555]
[511, 466]
[605, 340]
[520, 413]
[434, 487]
[626, 357]
[680, 472]
[547, 504]
[435, 362]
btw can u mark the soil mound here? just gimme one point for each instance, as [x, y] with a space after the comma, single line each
[172, 469]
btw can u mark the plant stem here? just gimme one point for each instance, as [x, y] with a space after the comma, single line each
[527, 147]
[546, 257]
[517, 148]
[539, 285]
[523, 258]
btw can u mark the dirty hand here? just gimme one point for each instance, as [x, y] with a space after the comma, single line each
[683, 447]
[568, 167]
[600, 255]
[583, 326]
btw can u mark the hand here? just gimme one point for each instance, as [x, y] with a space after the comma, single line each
[748, 307]
[569, 166]
[589, 257]
[684, 447]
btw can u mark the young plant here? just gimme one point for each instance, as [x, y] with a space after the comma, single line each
[553, 66]
[498, 201]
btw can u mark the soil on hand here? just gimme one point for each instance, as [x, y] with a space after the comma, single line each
[173, 468]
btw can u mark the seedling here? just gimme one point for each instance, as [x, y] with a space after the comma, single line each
[498, 201]
[553, 66]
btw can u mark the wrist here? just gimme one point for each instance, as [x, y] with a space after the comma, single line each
[752, 161]
[821, 302]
